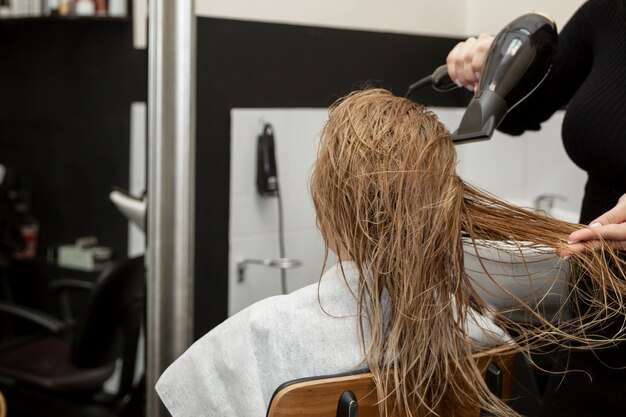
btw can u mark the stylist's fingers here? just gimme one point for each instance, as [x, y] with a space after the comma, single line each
[616, 215]
[612, 232]
[578, 248]
[451, 61]
[469, 75]
[466, 60]
[459, 63]
[482, 46]
[611, 227]
[590, 245]
[590, 239]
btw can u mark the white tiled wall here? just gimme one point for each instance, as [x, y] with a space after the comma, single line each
[522, 168]
[254, 219]
[518, 168]
[548, 169]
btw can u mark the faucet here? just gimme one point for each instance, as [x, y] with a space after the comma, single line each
[280, 263]
[545, 202]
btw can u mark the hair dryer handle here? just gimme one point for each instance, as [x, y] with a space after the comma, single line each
[441, 80]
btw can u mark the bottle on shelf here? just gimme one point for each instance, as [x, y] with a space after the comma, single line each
[101, 7]
[28, 224]
[21, 8]
[117, 8]
[51, 8]
[84, 8]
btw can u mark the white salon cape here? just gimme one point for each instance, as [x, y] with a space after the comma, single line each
[234, 369]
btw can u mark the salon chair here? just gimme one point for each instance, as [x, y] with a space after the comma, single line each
[354, 394]
[61, 371]
[3, 406]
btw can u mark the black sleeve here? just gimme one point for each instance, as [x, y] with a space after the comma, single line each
[571, 66]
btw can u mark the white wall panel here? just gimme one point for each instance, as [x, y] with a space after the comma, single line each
[443, 17]
[515, 168]
[253, 230]
[521, 168]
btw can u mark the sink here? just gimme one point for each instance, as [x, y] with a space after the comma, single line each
[562, 214]
[534, 275]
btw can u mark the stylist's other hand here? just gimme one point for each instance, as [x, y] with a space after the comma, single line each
[466, 60]
[611, 226]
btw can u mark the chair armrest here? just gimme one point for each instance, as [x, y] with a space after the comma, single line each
[68, 283]
[45, 320]
[63, 286]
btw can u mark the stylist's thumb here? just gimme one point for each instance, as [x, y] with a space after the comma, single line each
[614, 216]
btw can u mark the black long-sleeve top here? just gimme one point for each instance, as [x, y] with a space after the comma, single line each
[589, 76]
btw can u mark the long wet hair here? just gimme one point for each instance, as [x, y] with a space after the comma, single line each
[388, 198]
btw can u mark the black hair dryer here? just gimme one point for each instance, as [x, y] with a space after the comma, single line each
[518, 61]
[266, 173]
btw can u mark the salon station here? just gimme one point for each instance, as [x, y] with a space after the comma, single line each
[321, 208]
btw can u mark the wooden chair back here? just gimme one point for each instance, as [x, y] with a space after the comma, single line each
[3, 406]
[319, 396]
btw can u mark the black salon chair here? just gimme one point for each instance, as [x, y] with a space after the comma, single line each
[61, 372]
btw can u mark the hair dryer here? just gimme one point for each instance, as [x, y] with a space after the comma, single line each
[518, 61]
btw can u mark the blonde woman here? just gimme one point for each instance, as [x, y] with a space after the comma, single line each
[390, 205]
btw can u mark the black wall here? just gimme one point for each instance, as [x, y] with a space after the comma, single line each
[248, 64]
[66, 86]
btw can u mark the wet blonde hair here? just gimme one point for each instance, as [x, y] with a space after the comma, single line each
[387, 196]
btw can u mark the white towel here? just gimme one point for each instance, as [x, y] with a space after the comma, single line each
[234, 369]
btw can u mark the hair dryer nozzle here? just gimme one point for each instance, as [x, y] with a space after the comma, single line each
[518, 61]
[483, 115]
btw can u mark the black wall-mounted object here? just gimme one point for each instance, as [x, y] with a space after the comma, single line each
[266, 173]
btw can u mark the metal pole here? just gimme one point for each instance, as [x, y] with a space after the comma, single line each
[171, 187]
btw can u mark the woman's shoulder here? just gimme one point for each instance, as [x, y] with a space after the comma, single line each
[272, 341]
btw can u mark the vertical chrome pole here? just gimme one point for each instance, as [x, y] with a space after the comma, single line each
[171, 187]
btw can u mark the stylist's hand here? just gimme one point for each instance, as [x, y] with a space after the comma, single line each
[467, 59]
[611, 226]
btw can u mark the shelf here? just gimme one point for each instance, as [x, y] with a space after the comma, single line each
[65, 19]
